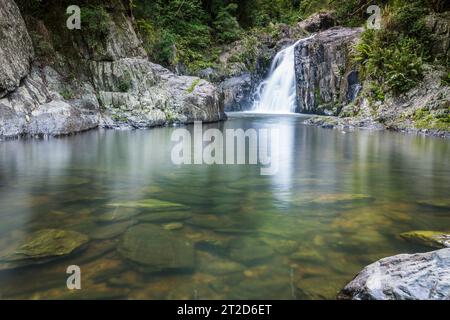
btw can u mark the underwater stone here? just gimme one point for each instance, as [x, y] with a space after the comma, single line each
[249, 250]
[156, 249]
[42, 246]
[165, 216]
[433, 239]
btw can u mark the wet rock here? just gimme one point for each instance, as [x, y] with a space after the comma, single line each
[156, 249]
[325, 79]
[214, 265]
[157, 217]
[210, 221]
[237, 92]
[118, 214]
[173, 226]
[250, 250]
[282, 246]
[149, 204]
[433, 239]
[443, 204]
[110, 231]
[422, 276]
[42, 246]
[308, 255]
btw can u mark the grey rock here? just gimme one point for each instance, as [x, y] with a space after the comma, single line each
[424, 276]
[325, 82]
[237, 92]
[318, 22]
[250, 250]
[16, 50]
[156, 249]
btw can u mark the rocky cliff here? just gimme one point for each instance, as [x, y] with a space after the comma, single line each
[84, 84]
[326, 80]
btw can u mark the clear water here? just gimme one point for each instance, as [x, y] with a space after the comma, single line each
[317, 235]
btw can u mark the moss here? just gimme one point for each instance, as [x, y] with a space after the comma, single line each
[193, 86]
[67, 94]
[125, 83]
[437, 120]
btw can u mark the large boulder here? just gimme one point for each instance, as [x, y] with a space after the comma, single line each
[318, 22]
[237, 92]
[325, 79]
[423, 276]
[16, 50]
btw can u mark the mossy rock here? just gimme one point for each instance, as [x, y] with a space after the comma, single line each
[42, 246]
[210, 221]
[308, 255]
[214, 265]
[160, 217]
[434, 239]
[173, 226]
[149, 204]
[443, 204]
[155, 249]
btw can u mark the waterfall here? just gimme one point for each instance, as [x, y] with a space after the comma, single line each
[277, 93]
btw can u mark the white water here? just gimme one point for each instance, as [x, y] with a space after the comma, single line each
[277, 94]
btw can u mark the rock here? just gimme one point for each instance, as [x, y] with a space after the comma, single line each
[140, 94]
[158, 217]
[420, 276]
[325, 81]
[110, 231]
[16, 50]
[237, 92]
[433, 239]
[281, 245]
[155, 249]
[308, 255]
[173, 226]
[318, 22]
[249, 250]
[148, 204]
[210, 221]
[439, 25]
[118, 214]
[214, 265]
[436, 203]
[41, 246]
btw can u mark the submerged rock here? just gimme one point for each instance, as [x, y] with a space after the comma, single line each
[151, 204]
[173, 226]
[165, 216]
[110, 231]
[249, 250]
[214, 265]
[436, 204]
[42, 246]
[433, 239]
[423, 276]
[156, 249]
[118, 214]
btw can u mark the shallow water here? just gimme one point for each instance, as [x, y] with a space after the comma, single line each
[337, 203]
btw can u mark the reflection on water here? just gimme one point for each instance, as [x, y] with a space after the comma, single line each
[337, 204]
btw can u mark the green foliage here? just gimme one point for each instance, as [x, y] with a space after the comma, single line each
[67, 94]
[446, 79]
[125, 83]
[95, 22]
[226, 25]
[393, 56]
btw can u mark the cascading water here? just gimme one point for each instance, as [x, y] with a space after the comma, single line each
[277, 94]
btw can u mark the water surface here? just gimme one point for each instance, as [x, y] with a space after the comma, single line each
[338, 203]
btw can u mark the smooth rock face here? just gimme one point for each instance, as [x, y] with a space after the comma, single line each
[156, 249]
[16, 50]
[424, 276]
[325, 82]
